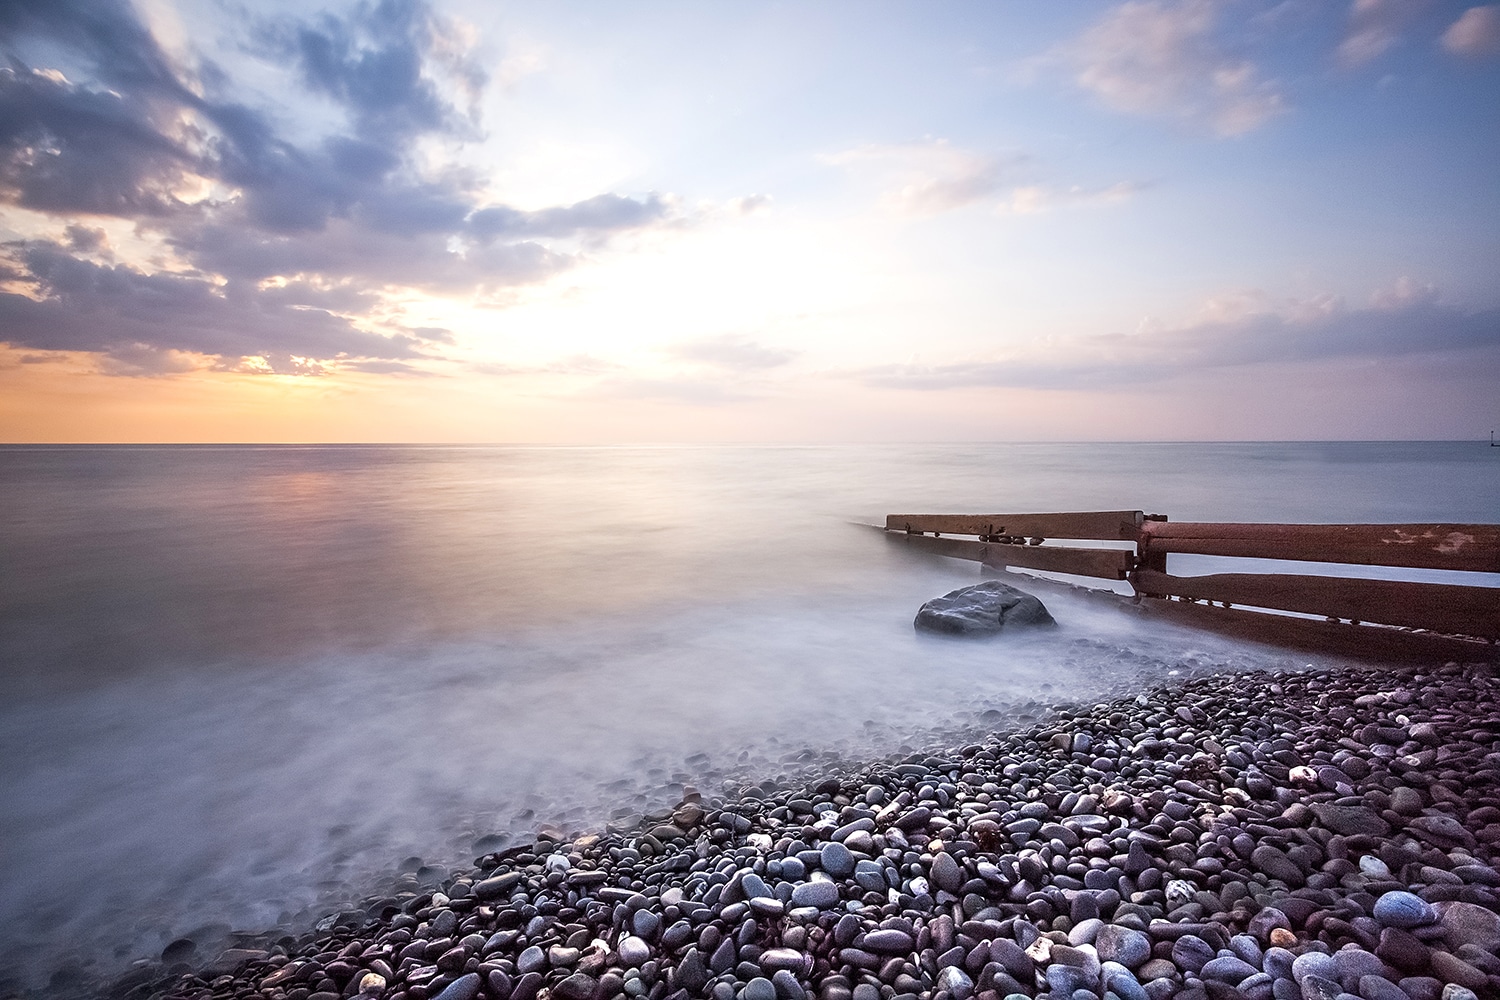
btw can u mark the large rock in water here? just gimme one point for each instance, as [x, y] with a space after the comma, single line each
[982, 609]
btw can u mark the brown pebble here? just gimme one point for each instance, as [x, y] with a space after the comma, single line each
[1452, 969]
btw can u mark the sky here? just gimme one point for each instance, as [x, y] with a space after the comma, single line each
[657, 222]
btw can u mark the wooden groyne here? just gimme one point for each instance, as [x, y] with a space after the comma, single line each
[1371, 617]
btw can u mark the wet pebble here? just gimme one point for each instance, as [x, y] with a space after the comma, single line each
[1299, 836]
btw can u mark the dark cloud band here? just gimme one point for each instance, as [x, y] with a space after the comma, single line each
[114, 129]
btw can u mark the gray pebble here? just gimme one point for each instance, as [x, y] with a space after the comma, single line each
[817, 893]
[1191, 952]
[956, 982]
[1403, 909]
[759, 988]
[836, 860]
[1227, 969]
[889, 942]
[633, 951]
[787, 987]
[463, 988]
[645, 924]
[947, 872]
[1124, 945]
[1314, 963]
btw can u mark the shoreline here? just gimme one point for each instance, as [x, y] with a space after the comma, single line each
[1209, 838]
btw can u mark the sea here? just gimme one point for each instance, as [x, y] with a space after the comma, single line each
[243, 687]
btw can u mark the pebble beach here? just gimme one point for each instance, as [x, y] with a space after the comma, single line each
[1297, 835]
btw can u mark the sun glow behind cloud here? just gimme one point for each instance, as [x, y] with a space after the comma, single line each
[442, 222]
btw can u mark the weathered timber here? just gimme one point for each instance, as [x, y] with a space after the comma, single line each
[1375, 643]
[1470, 547]
[1372, 618]
[1473, 611]
[1108, 564]
[1111, 524]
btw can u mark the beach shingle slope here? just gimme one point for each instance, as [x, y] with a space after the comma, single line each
[1272, 836]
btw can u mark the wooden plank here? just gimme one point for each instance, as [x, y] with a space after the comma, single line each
[1108, 564]
[1375, 643]
[1455, 610]
[1111, 524]
[1470, 547]
[954, 548]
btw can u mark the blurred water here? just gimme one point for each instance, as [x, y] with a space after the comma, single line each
[238, 685]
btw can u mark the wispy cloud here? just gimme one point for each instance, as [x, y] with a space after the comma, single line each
[1475, 34]
[576, 364]
[732, 353]
[1375, 26]
[692, 390]
[1043, 198]
[1404, 320]
[1164, 59]
[928, 176]
[932, 176]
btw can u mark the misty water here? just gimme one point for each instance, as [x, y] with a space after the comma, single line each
[242, 686]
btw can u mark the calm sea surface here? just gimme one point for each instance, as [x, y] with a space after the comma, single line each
[242, 685]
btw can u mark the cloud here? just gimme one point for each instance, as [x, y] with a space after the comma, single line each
[602, 214]
[383, 367]
[87, 239]
[1404, 293]
[932, 176]
[1041, 198]
[267, 247]
[1162, 59]
[926, 177]
[750, 204]
[1375, 26]
[378, 64]
[577, 364]
[145, 360]
[1475, 34]
[66, 149]
[732, 353]
[693, 391]
[1405, 320]
[79, 305]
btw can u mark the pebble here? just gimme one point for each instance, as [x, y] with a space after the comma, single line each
[463, 988]
[645, 924]
[1467, 923]
[1399, 908]
[836, 859]
[633, 951]
[946, 872]
[1263, 837]
[1190, 952]
[759, 988]
[1227, 969]
[1125, 945]
[1314, 963]
[822, 895]
[889, 942]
